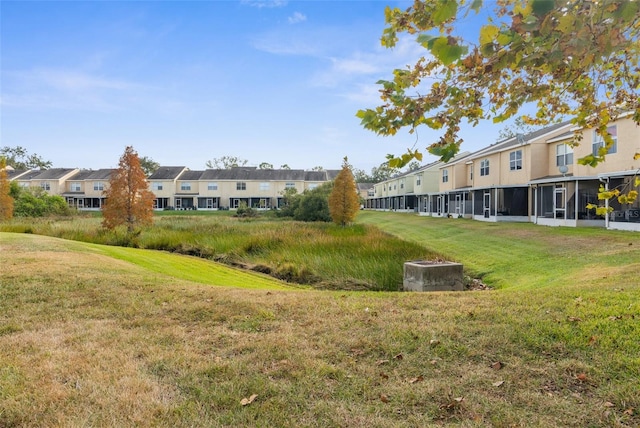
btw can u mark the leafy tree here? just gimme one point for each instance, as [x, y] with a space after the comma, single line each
[317, 168]
[413, 166]
[344, 202]
[383, 172]
[148, 165]
[314, 204]
[310, 205]
[226, 162]
[128, 199]
[361, 176]
[290, 202]
[18, 158]
[36, 202]
[285, 166]
[518, 127]
[6, 201]
[265, 165]
[568, 58]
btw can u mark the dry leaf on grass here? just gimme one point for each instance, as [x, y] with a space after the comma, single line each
[384, 398]
[497, 365]
[498, 383]
[416, 379]
[247, 401]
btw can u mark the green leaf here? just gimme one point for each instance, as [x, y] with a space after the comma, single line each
[628, 10]
[446, 10]
[444, 152]
[426, 40]
[589, 160]
[476, 5]
[542, 7]
[445, 52]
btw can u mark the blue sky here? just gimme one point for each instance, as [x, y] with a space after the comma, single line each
[184, 82]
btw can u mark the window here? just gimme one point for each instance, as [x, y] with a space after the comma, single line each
[598, 141]
[75, 187]
[471, 172]
[313, 186]
[45, 185]
[212, 186]
[484, 167]
[418, 179]
[98, 185]
[564, 155]
[185, 186]
[445, 175]
[402, 184]
[515, 160]
[241, 185]
[156, 186]
[264, 186]
[290, 186]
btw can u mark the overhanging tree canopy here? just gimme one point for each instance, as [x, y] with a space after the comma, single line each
[572, 59]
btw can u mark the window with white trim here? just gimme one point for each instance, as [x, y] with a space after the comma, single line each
[212, 186]
[185, 186]
[564, 155]
[445, 175]
[484, 167]
[241, 185]
[515, 160]
[290, 186]
[98, 185]
[264, 186]
[75, 187]
[598, 141]
[156, 186]
[45, 185]
[418, 179]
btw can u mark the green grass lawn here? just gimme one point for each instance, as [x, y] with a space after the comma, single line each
[108, 336]
[517, 255]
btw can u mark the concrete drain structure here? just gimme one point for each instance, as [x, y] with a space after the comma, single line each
[426, 275]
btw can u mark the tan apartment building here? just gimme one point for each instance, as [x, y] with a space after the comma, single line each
[84, 189]
[534, 177]
[561, 197]
[212, 189]
[50, 180]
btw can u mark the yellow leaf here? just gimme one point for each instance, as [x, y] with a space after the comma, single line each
[636, 182]
[488, 33]
[636, 156]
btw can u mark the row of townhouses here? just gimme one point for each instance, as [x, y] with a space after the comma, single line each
[177, 187]
[528, 178]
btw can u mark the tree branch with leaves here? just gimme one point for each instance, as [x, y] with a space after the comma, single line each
[569, 58]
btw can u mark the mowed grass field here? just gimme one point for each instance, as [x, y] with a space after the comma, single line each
[108, 336]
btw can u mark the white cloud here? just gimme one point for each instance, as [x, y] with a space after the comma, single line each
[296, 18]
[67, 89]
[260, 4]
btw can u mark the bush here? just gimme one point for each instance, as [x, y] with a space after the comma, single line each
[244, 210]
[35, 202]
